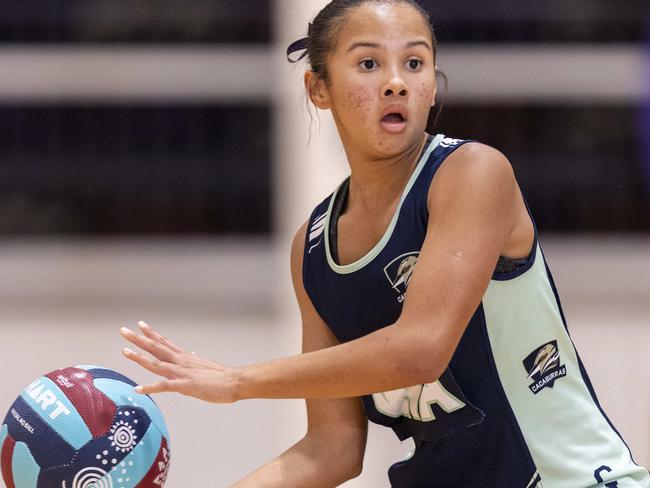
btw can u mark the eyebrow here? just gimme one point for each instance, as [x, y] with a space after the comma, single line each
[372, 45]
[419, 43]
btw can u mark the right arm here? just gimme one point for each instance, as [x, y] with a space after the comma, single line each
[332, 450]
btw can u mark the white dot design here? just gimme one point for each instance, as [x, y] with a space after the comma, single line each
[121, 471]
[105, 461]
[123, 437]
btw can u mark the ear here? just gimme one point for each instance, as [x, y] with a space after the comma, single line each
[317, 90]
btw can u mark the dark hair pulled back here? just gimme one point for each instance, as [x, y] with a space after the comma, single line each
[323, 32]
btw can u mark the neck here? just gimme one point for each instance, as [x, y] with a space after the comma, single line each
[376, 182]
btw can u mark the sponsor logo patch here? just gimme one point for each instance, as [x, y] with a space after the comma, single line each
[543, 367]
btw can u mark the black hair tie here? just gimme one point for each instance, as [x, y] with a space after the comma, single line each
[297, 47]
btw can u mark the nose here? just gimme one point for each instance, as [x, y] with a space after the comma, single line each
[395, 86]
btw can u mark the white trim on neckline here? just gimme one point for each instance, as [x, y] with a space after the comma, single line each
[374, 252]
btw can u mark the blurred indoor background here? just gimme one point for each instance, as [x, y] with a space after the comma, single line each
[155, 160]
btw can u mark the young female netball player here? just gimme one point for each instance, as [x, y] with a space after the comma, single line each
[501, 398]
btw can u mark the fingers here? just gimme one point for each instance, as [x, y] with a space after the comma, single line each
[155, 336]
[160, 387]
[154, 365]
[153, 347]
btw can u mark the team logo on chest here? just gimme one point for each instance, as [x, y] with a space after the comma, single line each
[399, 272]
[544, 368]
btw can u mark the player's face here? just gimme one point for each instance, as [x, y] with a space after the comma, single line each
[382, 78]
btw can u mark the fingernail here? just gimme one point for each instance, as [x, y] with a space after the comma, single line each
[143, 324]
[127, 351]
[138, 389]
[125, 331]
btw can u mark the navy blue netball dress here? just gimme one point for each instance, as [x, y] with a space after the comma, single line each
[515, 407]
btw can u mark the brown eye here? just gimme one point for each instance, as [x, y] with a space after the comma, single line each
[368, 64]
[414, 64]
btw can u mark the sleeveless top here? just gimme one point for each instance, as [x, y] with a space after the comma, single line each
[515, 407]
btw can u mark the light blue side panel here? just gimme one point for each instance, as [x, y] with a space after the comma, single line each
[565, 431]
[25, 469]
[71, 427]
[124, 394]
[137, 464]
[3, 435]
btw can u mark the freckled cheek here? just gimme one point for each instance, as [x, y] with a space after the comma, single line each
[424, 96]
[359, 103]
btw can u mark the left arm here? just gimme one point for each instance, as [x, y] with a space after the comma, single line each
[472, 204]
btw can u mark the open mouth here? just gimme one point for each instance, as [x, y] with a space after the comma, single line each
[393, 118]
[394, 122]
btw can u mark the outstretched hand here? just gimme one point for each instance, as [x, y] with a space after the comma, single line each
[184, 371]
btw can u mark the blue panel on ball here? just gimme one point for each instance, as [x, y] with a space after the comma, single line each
[100, 373]
[88, 367]
[137, 464]
[25, 469]
[45, 444]
[101, 456]
[54, 408]
[3, 435]
[123, 394]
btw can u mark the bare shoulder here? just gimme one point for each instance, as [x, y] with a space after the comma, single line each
[473, 169]
[299, 239]
[297, 248]
[478, 159]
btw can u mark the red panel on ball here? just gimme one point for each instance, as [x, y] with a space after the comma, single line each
[96, 409]
[157, 475]
[6, 457]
